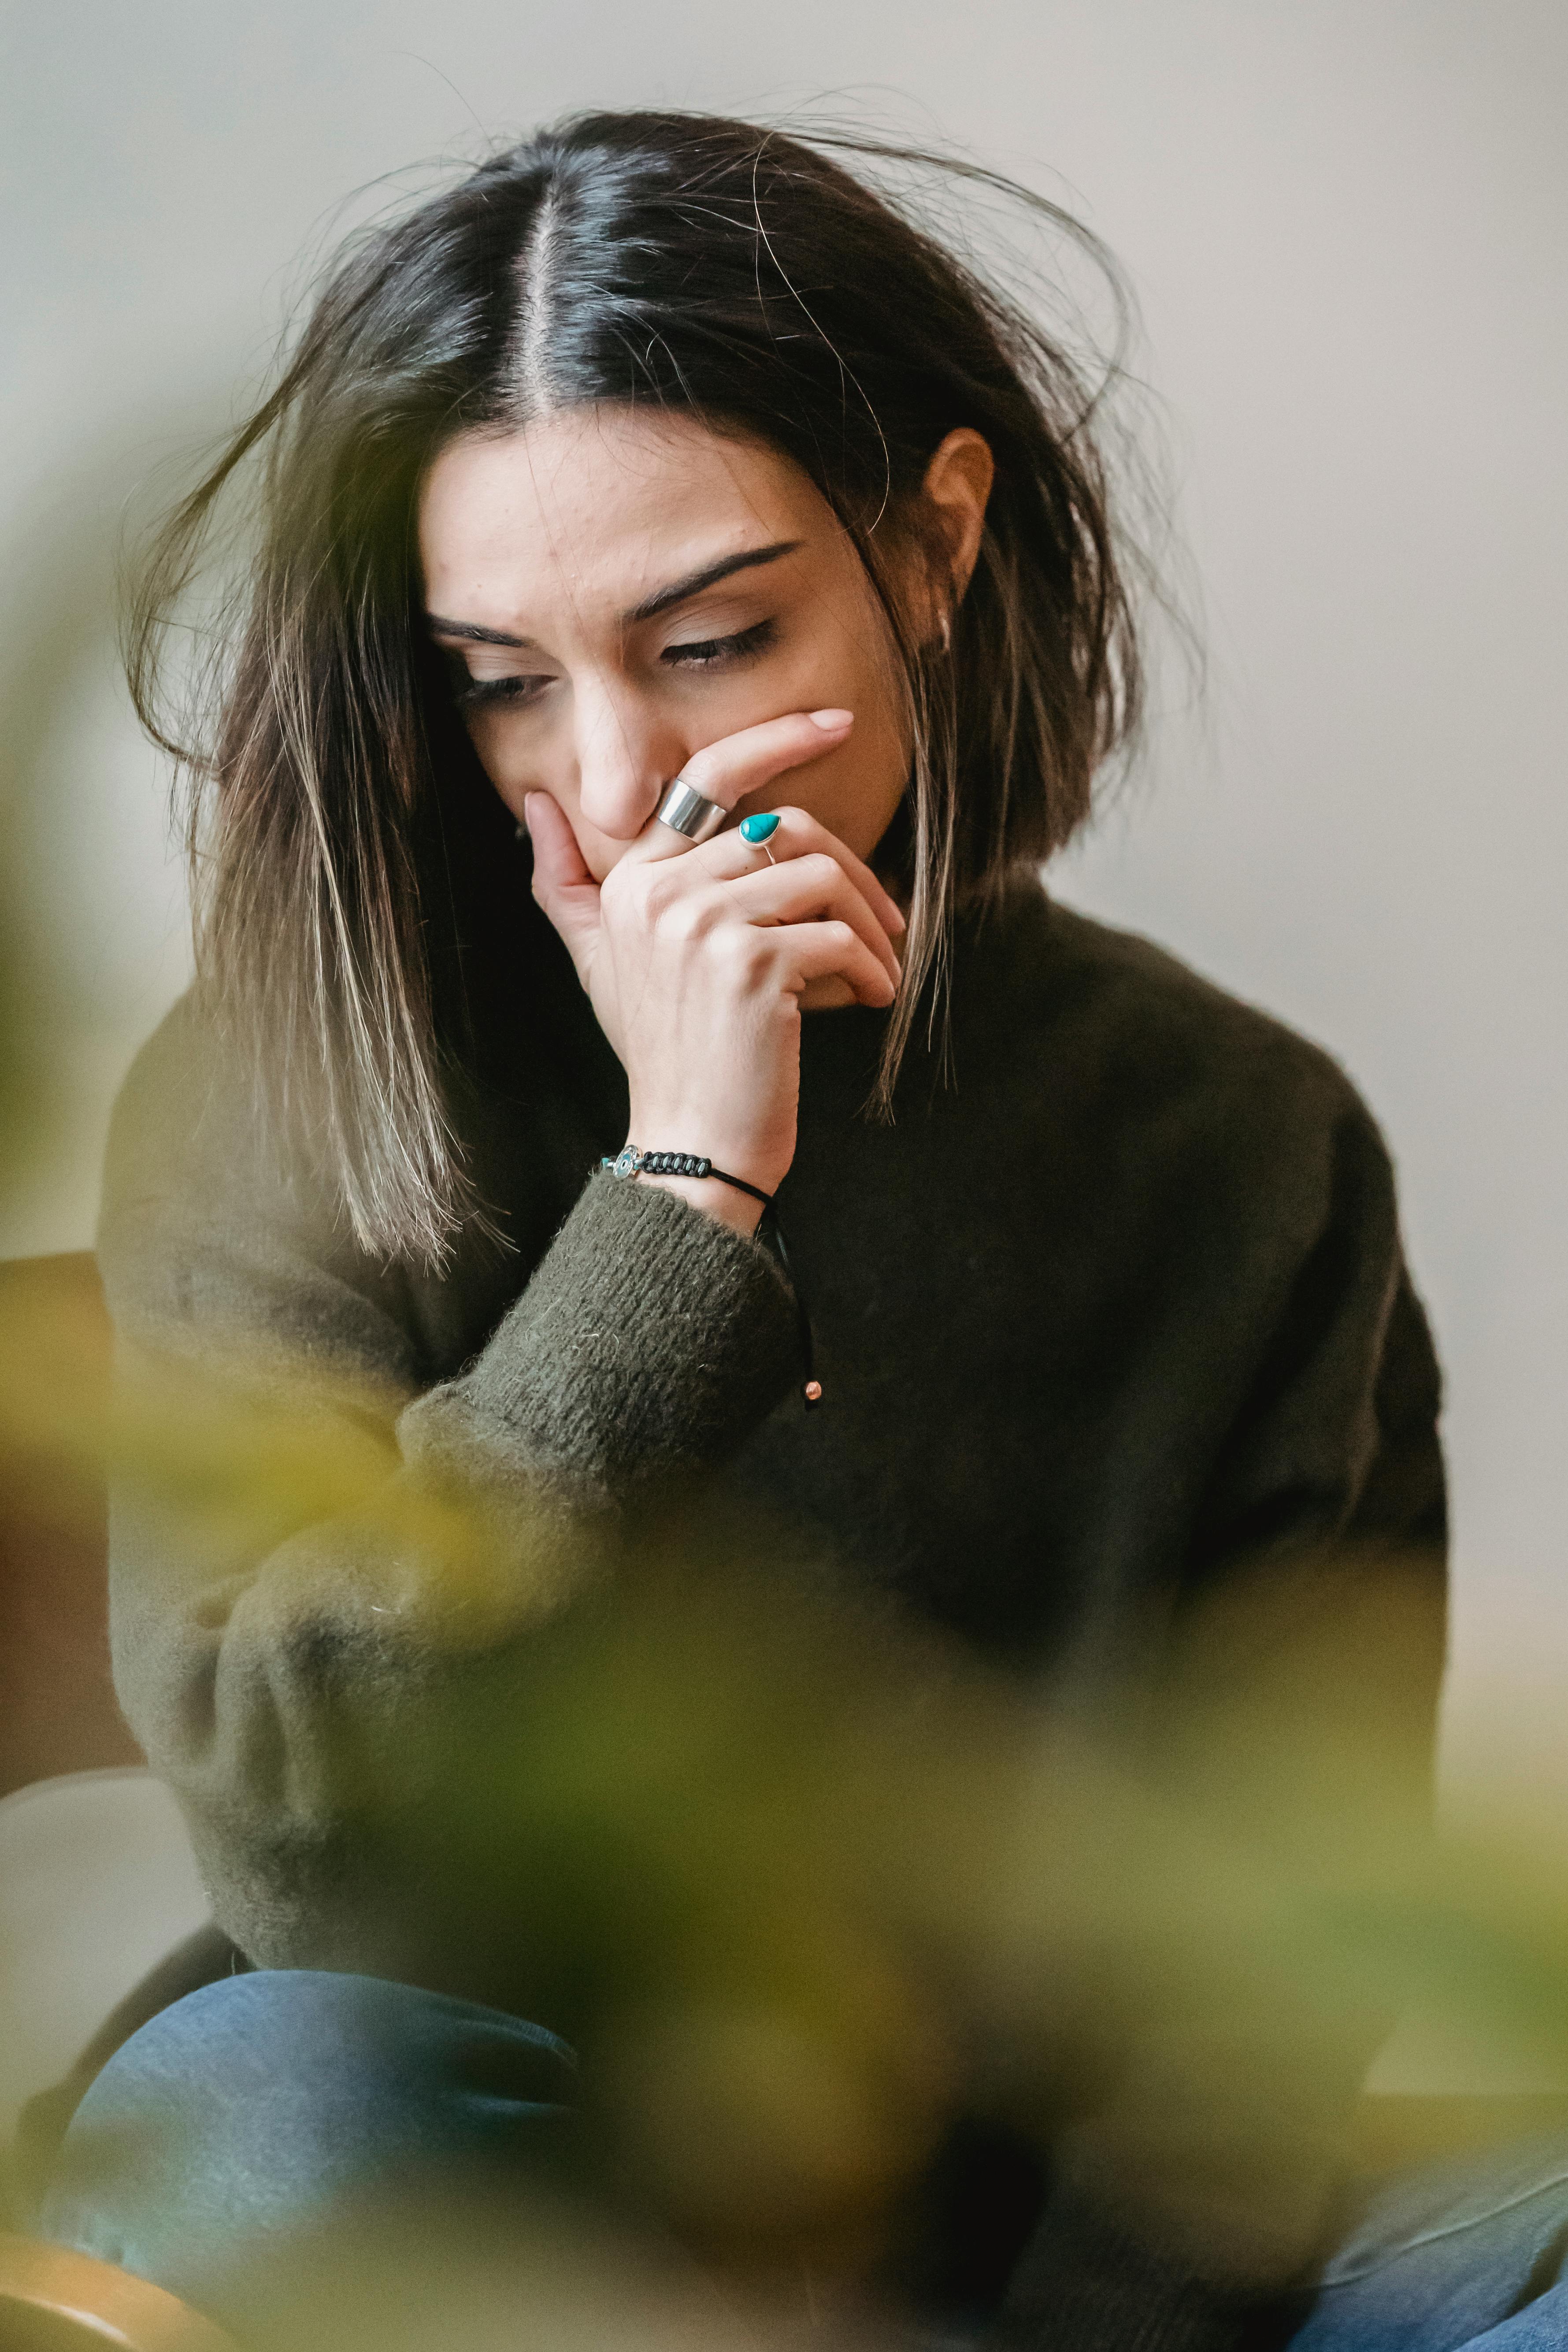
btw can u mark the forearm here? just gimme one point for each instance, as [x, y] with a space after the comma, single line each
[311, 1620]
[648, 1345]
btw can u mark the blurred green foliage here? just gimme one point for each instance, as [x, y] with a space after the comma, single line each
[806, 1878]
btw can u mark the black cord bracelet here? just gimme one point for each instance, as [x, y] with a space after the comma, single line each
[635, 1162]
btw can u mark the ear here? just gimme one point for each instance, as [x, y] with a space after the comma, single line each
[958, 484]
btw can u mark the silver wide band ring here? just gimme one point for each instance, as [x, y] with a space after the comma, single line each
[685, 811]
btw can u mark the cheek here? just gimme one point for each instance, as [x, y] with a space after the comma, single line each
[515, 768]
[854, 792]
[513, 763]
[489, 738]
[861, 653]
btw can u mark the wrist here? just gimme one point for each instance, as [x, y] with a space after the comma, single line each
[720, 1201]
[729, 1196]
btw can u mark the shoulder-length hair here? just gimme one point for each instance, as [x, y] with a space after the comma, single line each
[710, 268]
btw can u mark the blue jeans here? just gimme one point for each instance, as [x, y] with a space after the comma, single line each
[273, 2110]
[1455, 2258]
[249, 2143]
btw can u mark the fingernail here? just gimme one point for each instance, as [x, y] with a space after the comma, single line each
[832, 722]
[528, 800]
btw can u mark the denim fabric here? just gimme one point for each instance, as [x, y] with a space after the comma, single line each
[254, 2112]
[1455, 2258]
[263, 2108]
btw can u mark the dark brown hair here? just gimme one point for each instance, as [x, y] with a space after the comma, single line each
[711, 268]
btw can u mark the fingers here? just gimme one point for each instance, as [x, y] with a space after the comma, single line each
[813, 888]
[727, 771]
[728, 857]
[830, 995]
[562, 882]
[816, 952]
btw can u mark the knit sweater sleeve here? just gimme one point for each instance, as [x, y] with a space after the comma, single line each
[312, 1547]
[1193, 2188]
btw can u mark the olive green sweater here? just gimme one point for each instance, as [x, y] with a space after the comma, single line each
[1119, 1309]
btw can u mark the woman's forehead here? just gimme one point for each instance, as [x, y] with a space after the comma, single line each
[600, 507]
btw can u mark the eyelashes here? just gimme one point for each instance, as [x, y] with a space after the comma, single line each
[694, 653]
[708, 652]
[468, 693]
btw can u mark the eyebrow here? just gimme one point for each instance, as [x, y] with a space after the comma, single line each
[691, 584]
[709, 577]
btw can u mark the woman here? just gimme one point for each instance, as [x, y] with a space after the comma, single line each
[661, 523]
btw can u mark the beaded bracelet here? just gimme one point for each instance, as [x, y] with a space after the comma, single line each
[635, 1162]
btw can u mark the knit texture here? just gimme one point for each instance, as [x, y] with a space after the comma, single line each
[600, 1383]
[1085, 2285]
[1119, 1312]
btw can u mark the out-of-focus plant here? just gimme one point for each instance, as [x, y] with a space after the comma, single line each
[806, 1878]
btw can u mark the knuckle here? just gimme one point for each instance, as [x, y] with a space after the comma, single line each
[702, 771]
[683, 919]
[671, 905]
[743, 952]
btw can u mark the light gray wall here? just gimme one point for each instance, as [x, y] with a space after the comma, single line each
[1345, 223]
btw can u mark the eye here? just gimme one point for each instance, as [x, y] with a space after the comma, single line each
[709, 653]
[471, 693]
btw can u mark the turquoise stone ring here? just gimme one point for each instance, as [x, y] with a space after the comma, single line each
[759, 829]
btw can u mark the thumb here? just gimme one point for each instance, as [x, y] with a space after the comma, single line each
[562, 882]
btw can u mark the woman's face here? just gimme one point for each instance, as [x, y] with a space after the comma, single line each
[614, 591]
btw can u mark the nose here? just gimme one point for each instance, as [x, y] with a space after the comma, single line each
[626, 756]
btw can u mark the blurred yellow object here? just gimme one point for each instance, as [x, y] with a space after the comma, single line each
[52, 2298]
[58, 1711]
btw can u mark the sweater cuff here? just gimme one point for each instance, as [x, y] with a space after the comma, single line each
[649, 1344]
[1084, 2285]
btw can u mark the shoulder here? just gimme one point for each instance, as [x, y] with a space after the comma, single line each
[1170, 1087]
[1157, 1032]
[1144, 1001]
[208, 1241]
[216, 1221]
[185, 1106]
[194, 1145]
